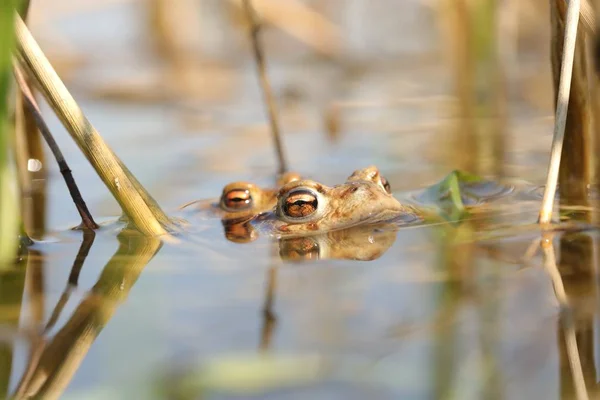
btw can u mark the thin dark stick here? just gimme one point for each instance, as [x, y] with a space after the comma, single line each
[265, 85]
[269, 317]
[86, 217]
[84, 249]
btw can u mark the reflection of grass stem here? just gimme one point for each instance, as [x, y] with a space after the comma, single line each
[65, 352]
[265, 85]
[569, 330]
[135, 201]
[86, 217]
[269, 317]
[562, 105]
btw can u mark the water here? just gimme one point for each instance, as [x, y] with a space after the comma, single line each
[439, 313]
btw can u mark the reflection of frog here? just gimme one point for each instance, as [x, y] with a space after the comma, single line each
[363, 243]
[306, 207]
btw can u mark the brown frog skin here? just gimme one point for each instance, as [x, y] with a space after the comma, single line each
[306, 207]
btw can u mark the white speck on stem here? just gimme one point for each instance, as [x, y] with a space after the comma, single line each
[117, 184]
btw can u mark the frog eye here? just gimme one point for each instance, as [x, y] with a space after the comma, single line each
[236, 200]
[386, 185]
[299, 204]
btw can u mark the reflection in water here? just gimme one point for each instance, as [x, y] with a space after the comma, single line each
[12, 285]
[54, 361]
[464, 334]
[577, 348]
[360, 243]
[269, 317]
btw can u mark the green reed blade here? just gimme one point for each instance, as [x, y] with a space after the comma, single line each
[9, 223]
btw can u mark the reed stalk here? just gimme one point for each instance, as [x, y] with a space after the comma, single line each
[31, 105]
[9, 220]
[562, 100]
[265, 85]
[137, 204]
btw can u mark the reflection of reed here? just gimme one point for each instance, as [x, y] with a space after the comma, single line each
[469, 32]
[269, 317]
[456, 261]
[63, 354]
[568, 328]
[12, 285]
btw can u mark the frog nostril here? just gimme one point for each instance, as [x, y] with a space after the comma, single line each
[354, 189]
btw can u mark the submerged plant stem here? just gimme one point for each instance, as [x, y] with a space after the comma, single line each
[145, 215]
[562, 106]
[86, 217]
[265, 85]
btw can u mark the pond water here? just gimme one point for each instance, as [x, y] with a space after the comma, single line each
[441, 313]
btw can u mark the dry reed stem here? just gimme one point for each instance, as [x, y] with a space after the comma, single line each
[146, 216]
[29, 101]
[569, 331]
[301, 22]
[562, 106]
[265, 85]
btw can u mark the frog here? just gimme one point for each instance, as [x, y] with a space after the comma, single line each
[241, 199]
[305, 207]
[239, 202]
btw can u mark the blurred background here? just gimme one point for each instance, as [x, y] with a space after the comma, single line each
[172, 87]
[417, 87]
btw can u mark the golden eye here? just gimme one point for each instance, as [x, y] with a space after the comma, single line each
[386, 185]
[237, 199]
[300, 204]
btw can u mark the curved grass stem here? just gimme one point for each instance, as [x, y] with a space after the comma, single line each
[133, 199]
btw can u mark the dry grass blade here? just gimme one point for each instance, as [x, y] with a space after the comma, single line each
[562, 106]
[86, 217]
[145, 215]
[265, 85]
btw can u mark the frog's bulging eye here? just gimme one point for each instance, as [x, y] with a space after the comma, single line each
[237, 200]
[386, 185]
[300, 204]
